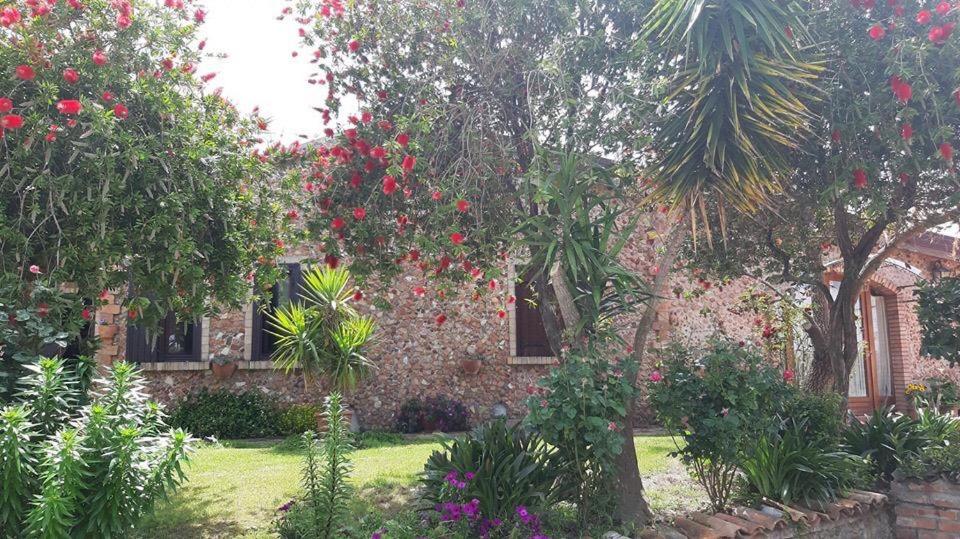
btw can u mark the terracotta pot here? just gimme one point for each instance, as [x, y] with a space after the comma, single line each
[223, 371]
[471, 366]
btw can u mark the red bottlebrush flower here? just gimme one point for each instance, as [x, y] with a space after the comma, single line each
[860, 178]
[655, 376]
[351, 134]
[403, 139]
[389, 185]
[199, 16]
[85, 314]
[441, 318]
[904, 178]
[331, 261]
[456, 238]
[337, 223]
[788, 375]
[463, 206]
[357, 296]
[25, 72]
[385, 125]
[208, 77]
[937, 35]
[408, 163]
[11, 121]
[120, 111]
[6, 105]
[359, 214]
[107, 96]
[436, 196]
[123, 21]
[946, 151]
[366, 117]
[924, 16]
[835, 136]
[877, 32]
[419, 291]
[906, 132]
[70, 75]
[278, 243]
[901, 89]
[788, 32]
[293, 215]
[99, 58]
[354, 45]
[355, 180]
[9, 16]
[501, 314]
[943, 8]
[69, 106]
[511, 300]
[377, 152]
[414, 255]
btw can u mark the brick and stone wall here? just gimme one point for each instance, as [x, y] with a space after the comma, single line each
[926, 509]
[417, 357]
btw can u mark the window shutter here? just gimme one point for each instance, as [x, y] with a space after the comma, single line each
[531, 337]
[139, 349]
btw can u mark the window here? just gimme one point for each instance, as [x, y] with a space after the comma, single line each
[530, 336]
[283, 292]
[170, 341]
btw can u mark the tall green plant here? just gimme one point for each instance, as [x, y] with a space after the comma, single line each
[326, 471]
[72, 470]
[323, 334]
[938, 311]
[886, 439]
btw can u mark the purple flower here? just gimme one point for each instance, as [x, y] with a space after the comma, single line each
[470, 476]
[472, 509]
[378, 534]
[286, 507]
[451, 476]
[460, 485]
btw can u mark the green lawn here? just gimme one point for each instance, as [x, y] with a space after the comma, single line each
[234, 489]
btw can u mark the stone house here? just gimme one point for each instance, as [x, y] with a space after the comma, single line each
[418, 357]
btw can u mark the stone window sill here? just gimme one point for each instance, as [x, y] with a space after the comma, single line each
[541, 360]
[203, 365]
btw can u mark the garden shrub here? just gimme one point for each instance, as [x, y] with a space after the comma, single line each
[580, 408]
[934, 461]
[819, 416]
[228, 415]
[720, 401]
[322, 511]
[297, 419]
[437, 413]
[71, 470]
[792, 466]
[886, 438]
[373, 438]
[938, 312]
[502, 467]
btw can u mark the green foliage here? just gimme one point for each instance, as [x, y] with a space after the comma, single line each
[580, 408]
[297, 419]
[819, 417]
[886, 439]
[934, 461]
[323, 510]
[373, 439]
[719, 401]
[436, 413]
[226, 414]
[501, 466]
[72, 470]
[737, 90]
[790, 467]
[938, 311]
[323, 334]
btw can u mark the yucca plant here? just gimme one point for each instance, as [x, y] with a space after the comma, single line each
[323, 335]
[84, 471]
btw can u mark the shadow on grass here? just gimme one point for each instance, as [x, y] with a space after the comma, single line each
[192, 514]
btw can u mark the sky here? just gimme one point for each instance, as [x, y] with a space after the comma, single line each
[259, 69]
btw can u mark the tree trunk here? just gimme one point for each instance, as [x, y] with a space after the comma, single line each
[632, 506]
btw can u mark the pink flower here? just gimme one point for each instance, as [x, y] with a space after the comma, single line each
[359, 214]
[463, 206]
[501, 314]
[34, 269]
[85, 313]
[199, 16]
[99, 58]
[337, 223]
[354, 45]
[655, 376]
[942, 8]
[788, 375]
[121, 111]
[456, 238]
[70, 75]
[441, 318]
[924, 16]
[6, 105]
[419, 291]
[877, 32]
[25, 72]
[612, 426]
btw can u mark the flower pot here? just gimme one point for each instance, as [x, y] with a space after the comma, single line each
[223, 371]
[471, 366]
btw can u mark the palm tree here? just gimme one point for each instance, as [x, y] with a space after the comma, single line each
[323, 334]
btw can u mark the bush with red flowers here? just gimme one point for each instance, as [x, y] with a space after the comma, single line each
[119, 167]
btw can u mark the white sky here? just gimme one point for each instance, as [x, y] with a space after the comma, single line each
[259, 69]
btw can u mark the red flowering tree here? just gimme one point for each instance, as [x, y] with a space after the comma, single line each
[880, 170]
[118, 167]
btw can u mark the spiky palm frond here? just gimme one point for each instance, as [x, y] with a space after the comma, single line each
[737, 97]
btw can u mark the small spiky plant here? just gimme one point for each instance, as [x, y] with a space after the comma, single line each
[326, 470]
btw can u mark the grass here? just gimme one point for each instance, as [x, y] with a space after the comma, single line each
[235, 488]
